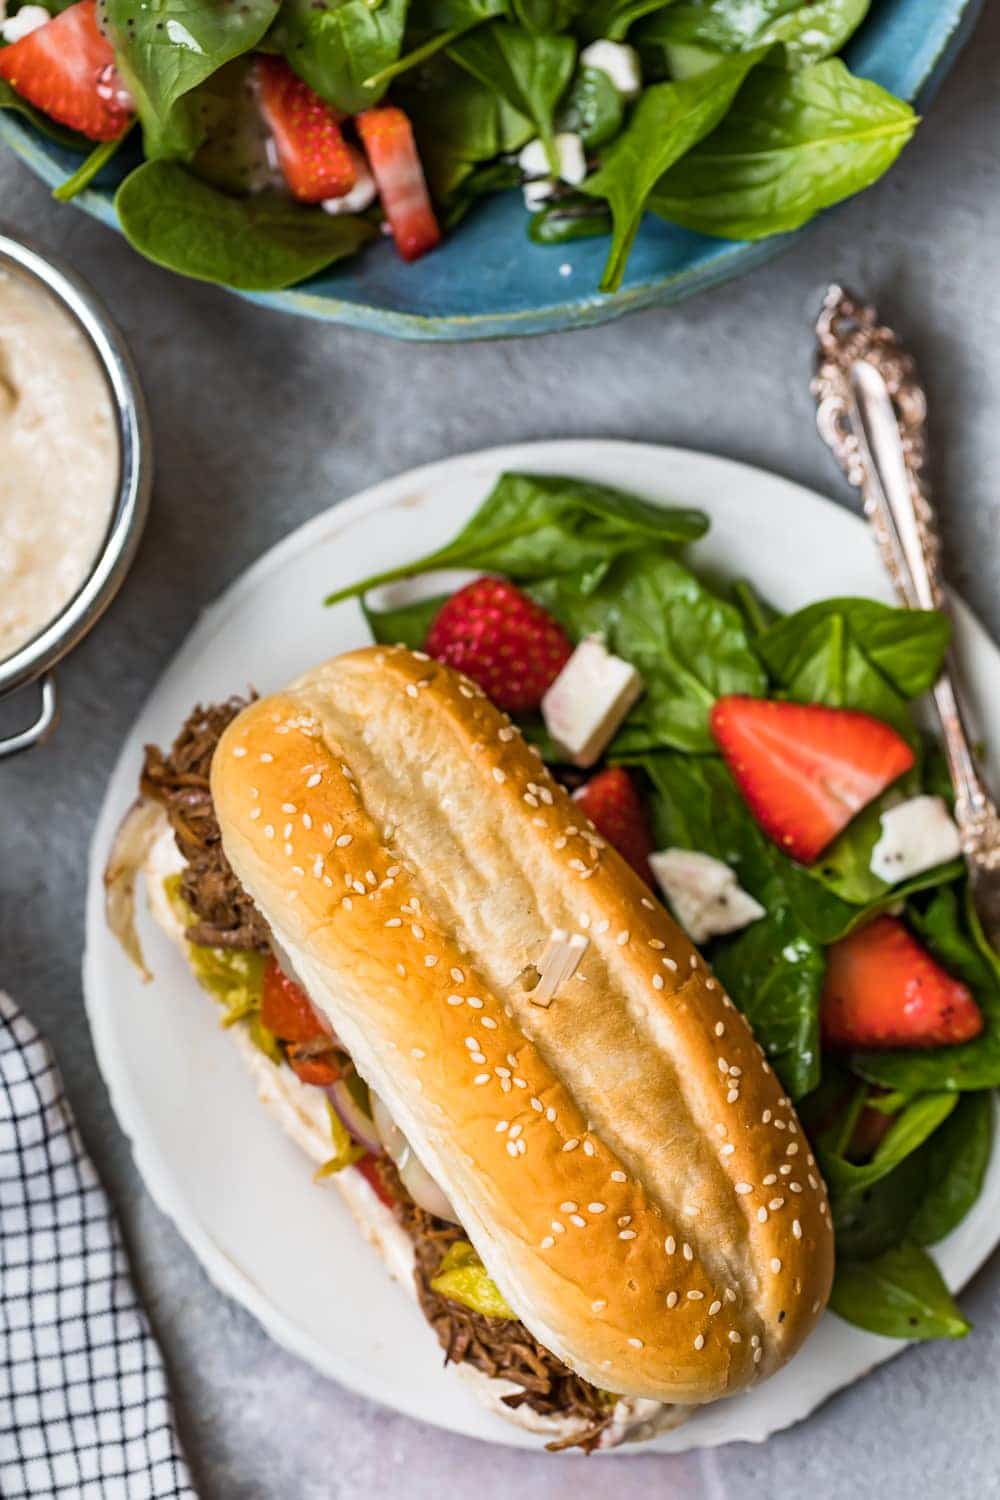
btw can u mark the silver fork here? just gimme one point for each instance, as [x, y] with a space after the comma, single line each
[872, 413]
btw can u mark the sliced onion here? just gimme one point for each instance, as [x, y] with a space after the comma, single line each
[419, 1183]
[131, 845]
[353, 1118]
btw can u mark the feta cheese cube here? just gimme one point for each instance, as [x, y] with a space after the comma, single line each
[538, 191]
[706, 897]
[28, 19]
[357, 198]
[619, 61]
[534, 162]
[588, 700]
[916, 835]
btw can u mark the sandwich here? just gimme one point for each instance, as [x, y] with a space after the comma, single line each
[536, 1098]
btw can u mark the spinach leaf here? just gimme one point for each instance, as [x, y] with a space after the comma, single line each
[405, 625]
[11, 99]
[953, 1165]
[900, 1294]
[950, 934]
[689, 645]
[541, 16]
[459, 126]
[758, 614]
[809, 30]
[876, 1219]
[667, 120]
[532, 526]
[614, 18]
[593, 108]
[88, 169]
[166, 48]
[257, 244]
[529, 72]
[914, 1124]
[774, 972]
[844, 651]
[792, 144]
[567, 218]
[339, 46]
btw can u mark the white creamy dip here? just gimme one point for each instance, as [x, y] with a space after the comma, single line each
[61, 459]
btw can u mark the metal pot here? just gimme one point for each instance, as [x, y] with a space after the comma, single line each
[33, 663]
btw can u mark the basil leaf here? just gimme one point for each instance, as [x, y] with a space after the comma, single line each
[666, 121]
[953, 1165]
[532, 526]
[900, 1294]
[792, 144]
[166, 48]
[809, 30]
[339, 46]
[259, 243]
[689, 645]
[949, 932]
[406, 625]
[529, 72]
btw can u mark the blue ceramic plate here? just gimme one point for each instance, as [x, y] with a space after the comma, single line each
[488, 280]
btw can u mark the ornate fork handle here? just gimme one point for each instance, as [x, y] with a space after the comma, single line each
[872, 413]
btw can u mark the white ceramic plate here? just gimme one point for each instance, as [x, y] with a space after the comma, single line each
[238, 1190]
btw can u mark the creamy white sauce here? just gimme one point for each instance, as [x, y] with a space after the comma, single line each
[61, 459]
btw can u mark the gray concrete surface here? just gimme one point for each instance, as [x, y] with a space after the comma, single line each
[261, 421]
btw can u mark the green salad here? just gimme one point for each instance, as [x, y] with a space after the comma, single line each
[895, 1096]
[267, 141]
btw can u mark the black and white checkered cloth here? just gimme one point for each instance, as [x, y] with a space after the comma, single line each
[84, 1406]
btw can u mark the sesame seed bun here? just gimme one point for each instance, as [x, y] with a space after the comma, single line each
[624, 1159]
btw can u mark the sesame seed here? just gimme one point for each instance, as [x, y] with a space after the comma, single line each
[515, 1131]
[775, 1204]
[671, 1299]
[267, 757]
[511, 1148]
[239, 752]
[314, 779]
[657, 981]
[343, 840]
[569, 1207]
[411, 690]
[792, 1148]
[795, 1187]
[506, 734]
[489, 1023]
[346, 903]
[288, 807]
[550, 1114]
[670, 1244]
[578, 1220]
[797, 1229]
[699, 1342]
[400, 970]
[744, 1187]
[502, 1072]
[577, 864]
[479, 1057]
[596, 1208]
[645, 901]
[571, 1144]
[269, 831]
[765, 1118]
[458, 976]
[762, 1215]
[288, 850]
[714, 1307]
[694, 960]
[298, 870]
[498, 775]
[602, 925]
[536, 1104]
[254, 792]
[695, 1296]
[481, 1078]
[687, 1252]
[728, 1149]
[735, 1072]
[618, 1177]
[710, 984]
[418, 1053]
[755, 1341]
[722, 1064]
[430, 959]
[358, 888]
[732, 1096]
[559, 1228]
[394, 922]
[548, 1242]
[720, 1029]
[472, 1043]
[474, 1003]
[769, 1179]
[254, 814]
[454, 1000]
[735, 1337]
[599, 1305]
[636, 1343]
[588, 1148]
[622, 938]
[776, 1265]
[729, 1295]
[758, 1356]
[671, 964]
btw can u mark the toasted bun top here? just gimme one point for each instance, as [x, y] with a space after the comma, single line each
[624, 1161]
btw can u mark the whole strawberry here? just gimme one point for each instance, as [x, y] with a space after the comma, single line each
[611, 801]
[501, 639]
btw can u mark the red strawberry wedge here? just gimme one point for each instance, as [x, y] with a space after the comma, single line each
[313, 155]
[387, 137]
[501, 639]
[883, 989]
[612, 804]
[67, 70]
[804, 769]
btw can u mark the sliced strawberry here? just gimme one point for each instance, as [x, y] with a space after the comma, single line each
[501, 639]
[612, 804]
[883, 989]
[67, 70]
[314, 158]
[387, 137]
[804, 769]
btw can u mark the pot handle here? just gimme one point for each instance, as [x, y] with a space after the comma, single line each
[42, 727]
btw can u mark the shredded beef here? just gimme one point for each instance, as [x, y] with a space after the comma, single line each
[500, 1347]
[227, 918]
